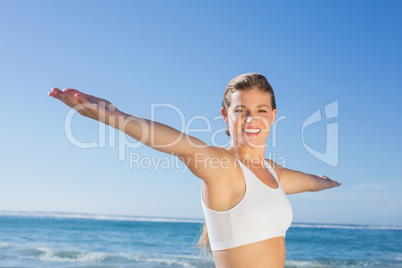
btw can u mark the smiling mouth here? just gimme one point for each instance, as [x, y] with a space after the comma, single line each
[252, 130]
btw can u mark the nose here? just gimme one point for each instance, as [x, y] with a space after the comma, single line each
[250, 116]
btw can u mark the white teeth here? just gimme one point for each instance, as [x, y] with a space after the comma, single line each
[252, 130]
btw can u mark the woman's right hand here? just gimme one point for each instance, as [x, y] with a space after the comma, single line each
[87, 105]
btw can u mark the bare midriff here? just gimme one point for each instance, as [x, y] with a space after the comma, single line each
[268, 253]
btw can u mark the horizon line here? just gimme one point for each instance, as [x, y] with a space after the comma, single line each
[114, 217]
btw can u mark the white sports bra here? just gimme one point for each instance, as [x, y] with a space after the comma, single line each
[262, 213]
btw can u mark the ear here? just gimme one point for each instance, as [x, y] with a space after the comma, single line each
[273, 116]
[224, 113]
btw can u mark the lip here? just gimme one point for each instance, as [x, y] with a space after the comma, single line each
[252, 132]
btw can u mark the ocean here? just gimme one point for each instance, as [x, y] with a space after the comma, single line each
[85, 240]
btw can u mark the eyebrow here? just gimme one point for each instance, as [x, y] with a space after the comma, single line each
[261, 105]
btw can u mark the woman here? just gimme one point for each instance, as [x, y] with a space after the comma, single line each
[243, 194]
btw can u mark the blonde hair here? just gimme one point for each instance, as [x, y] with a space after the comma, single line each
[203, 243]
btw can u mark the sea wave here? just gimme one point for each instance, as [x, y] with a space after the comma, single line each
[49, 255]
[333, 264]
[396, 256]
[304, 264]
[176, 260]
[4, 245]
[72, 255]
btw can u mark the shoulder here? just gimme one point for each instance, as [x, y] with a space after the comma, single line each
[274, 165]
[225, 159]
[217, 155]
[277, 168]
[211, 164]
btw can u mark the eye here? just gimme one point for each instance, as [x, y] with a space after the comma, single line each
[262, 111]
[239, 110]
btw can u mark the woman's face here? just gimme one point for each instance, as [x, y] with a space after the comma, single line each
[250, 117]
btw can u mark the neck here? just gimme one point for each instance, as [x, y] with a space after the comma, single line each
[248, 155]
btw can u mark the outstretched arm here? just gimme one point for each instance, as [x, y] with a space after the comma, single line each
[293, 182]
[156, 135]
[192, 151]
[153, 134]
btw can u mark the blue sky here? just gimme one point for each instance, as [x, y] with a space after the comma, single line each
[139, 54]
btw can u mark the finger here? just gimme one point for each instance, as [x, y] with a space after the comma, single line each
[79, 97]
[70, 91]
[67, 96]
[84, 100]
[58, 94]
[53, 92]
